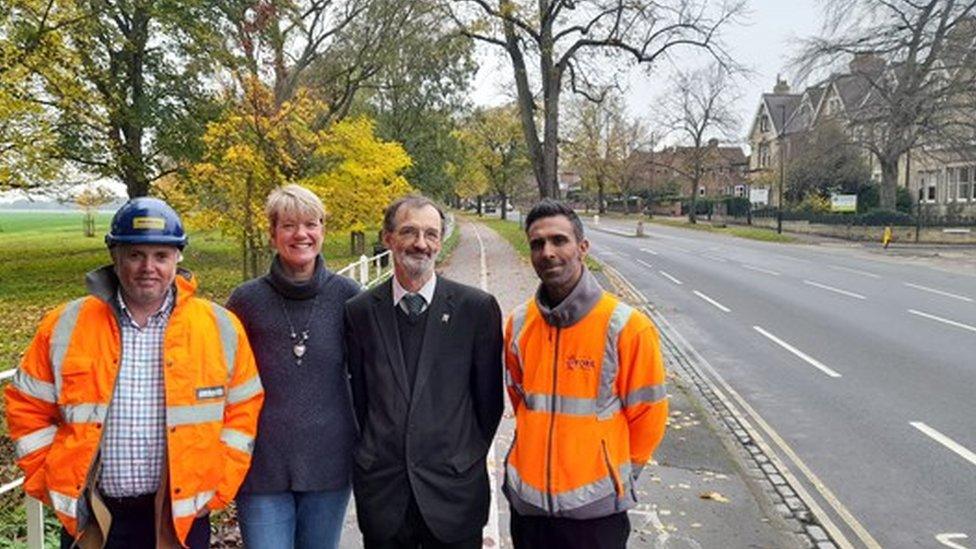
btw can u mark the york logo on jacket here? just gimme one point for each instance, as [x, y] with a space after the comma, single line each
[580, 363]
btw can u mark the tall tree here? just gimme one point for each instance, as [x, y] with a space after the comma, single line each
[494, 139]
[919, 61]
[418, 92]
[128, 90]
[601, 141]
[579, 41]
[826, 161]
[32, 42]
[258, 145]
[698, 107]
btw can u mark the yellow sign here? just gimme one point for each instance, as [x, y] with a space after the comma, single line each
[148, 223]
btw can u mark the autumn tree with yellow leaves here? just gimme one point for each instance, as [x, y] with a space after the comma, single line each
[259, 145]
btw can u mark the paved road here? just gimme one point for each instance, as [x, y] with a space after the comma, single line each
[865, 367]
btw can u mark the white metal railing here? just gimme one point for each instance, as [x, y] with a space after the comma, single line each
[369, 271]
[35, 510]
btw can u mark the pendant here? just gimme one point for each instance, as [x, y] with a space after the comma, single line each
[299, 350]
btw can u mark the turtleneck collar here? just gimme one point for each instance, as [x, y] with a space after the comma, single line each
[575, 306]
[290, 288]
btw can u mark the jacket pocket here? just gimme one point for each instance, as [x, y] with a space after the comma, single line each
[618, 485]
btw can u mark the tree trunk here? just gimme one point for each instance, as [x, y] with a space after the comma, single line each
[504, 207]
[693, 212]
[480, 204]
[889, 183]
[550, 143]
[526, 103]
[601, 207]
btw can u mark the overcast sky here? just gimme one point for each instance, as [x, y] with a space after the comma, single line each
[763, 42]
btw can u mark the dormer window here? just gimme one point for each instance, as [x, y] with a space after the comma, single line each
[763, 123]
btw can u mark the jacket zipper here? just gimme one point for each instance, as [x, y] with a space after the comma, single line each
[552, 422]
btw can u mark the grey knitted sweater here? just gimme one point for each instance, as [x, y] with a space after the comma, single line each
[306, 430]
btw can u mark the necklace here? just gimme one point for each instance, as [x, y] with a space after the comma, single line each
[298, 339]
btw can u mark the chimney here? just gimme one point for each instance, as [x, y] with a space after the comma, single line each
[712, 143]
[781, 86]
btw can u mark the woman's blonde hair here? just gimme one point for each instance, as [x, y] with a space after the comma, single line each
[292, 200]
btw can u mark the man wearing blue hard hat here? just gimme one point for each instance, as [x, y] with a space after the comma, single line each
[135, 408]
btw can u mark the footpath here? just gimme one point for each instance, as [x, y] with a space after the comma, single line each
[698, 493]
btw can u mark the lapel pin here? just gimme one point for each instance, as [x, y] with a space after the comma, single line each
[445, 318]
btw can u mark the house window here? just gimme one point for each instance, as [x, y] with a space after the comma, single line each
[763, 123]
[961, 184]
[927, 183]
[701, 191]
[740, 190]
[763, 155]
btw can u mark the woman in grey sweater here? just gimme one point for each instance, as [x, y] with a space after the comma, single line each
[297, 490]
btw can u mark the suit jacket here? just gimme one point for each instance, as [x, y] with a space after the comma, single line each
[431, 441]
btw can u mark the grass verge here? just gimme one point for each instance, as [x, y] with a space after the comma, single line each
[752, 233]
[513, 233]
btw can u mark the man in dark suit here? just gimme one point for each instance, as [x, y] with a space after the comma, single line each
[425, 366]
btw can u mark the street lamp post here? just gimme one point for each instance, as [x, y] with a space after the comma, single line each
[782, 167]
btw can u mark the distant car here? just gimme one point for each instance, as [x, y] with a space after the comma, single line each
[490, 208]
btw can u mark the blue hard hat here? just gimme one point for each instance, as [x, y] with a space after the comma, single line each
[146, 220]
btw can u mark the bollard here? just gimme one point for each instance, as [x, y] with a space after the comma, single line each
[640, 228]
[596, 219]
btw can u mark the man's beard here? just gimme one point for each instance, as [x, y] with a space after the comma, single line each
[416, 265]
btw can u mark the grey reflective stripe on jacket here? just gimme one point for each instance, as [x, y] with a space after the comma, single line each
[34, 441]
[31, 386]
[192, 505]
[61, 338]
[596, 499]
[608, 403]
[518, 324]
[228, 337]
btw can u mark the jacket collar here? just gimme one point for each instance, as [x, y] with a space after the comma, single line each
[103, 283]
[575, 306]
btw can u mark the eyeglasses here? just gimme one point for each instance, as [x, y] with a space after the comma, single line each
[413, 233]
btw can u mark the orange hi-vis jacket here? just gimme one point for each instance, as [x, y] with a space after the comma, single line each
[63, 389]
[586, 380]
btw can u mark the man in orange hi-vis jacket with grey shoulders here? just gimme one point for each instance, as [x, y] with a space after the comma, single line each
[586, 379]
[135, 408]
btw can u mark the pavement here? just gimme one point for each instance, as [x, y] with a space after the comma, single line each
[699, 493]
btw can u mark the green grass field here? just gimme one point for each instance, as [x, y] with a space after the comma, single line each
[515, 235]
[752, 233]
[44, 256]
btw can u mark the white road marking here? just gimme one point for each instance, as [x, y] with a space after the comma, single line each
[644, 263]
[964, 452]
[832, 289]
[791, 258]
[671, 278]
[621, 254]
[943, 320]
[946, 539]
[835, 533]
[652, 252]
[855, 271]
[492, 530]
[810, 360]
[717, 305]
[940, 292]
[715, 258]
[759, 269]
